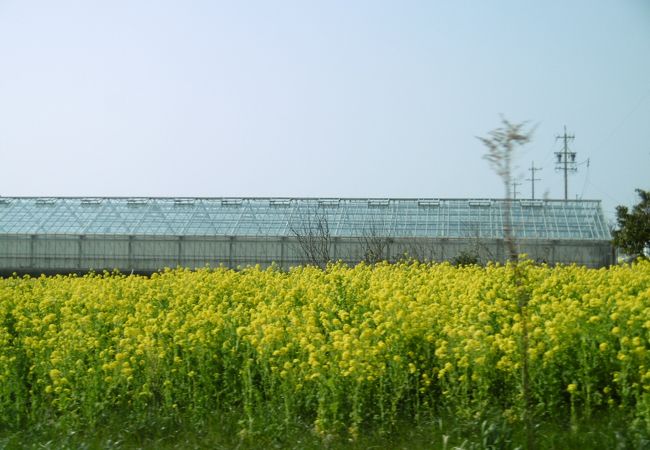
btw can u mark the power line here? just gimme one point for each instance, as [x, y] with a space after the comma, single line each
[584, 185]
[624, 119]
[532, 178]
[514, 189]
[566, 160]
[549, 155]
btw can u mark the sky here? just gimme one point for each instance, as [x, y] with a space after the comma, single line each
[338, 98]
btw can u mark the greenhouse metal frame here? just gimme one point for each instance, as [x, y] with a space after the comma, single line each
[144, 234]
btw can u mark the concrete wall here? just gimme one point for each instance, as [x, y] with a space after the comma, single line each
[72, 253]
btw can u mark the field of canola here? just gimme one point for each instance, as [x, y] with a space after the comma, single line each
[337, 350]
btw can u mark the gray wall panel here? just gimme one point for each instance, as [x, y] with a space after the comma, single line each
[61, 253]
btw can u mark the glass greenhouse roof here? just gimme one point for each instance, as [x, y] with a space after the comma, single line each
[427, 218]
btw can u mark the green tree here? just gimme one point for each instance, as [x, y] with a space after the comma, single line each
[633, 233]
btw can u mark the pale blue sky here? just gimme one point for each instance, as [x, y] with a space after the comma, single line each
[331, 98]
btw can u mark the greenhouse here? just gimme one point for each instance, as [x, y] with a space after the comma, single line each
[65, 234]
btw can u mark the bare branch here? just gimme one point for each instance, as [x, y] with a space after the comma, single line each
[313, 235]
[501, 143]
[374, 244]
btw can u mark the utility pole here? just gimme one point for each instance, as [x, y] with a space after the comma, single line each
[514, 189]
[566, 160]
[532, 178]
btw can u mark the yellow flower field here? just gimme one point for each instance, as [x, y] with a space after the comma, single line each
[339, 349]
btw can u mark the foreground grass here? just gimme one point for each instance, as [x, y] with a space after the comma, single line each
[606, 433]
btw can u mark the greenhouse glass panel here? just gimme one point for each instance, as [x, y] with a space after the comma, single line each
[426, 218]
